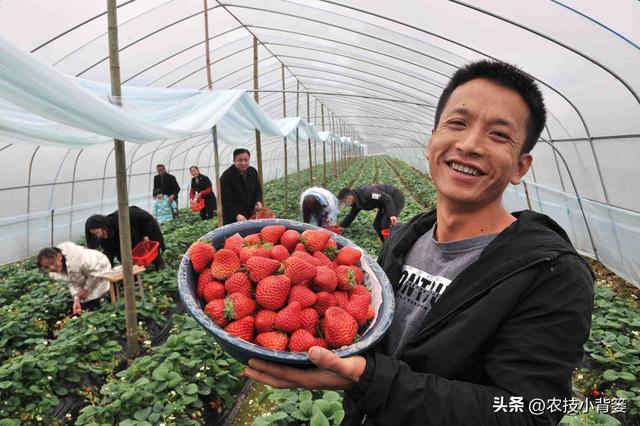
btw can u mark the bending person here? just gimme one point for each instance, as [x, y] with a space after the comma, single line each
[103, 232]
[77, 266]
[319, 207]
[388, 199]
[201, 188]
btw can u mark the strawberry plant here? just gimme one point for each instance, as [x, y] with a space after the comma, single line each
[294, 406]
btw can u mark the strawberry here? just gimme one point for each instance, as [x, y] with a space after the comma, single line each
[348, 256]
[371, 313]
[253, 251]
[310, 320]
[272, 292]
[264, 320]
[303, 295]
[201, 254]
[260, 268]
[300, 341]
[315, 240]
[324, 302]
[204, 277]
[331, 250]
[242, 328]
[325, 279]
[234, 243]
[224, 264]
[273, 340]
[238, 305]
[346, 278]
[289, 319]
[213, 290]
[238, 282]
[358, 307]
[319, 341]
[272, 233]
[290, 239]
[359, 275]
[304, 283]
[215, 309]
[279, 252]
[360, 289]
[252, 239]
[338, 327]
[324, 260]
[306, 257]
[342, 298]
[298, 270]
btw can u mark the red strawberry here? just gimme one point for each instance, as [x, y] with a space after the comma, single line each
[289, 319]
[360, 289]
[325, 279]
[359, 275]
[371, 313]
[201, 254]
[238, 282]
[213, 290]
[339, 328]
[204, 277]
[358, 307]
[272, 292]
[253, 251]
[260, 268]
[303, 295]
[304, 283]
[273, 340]
[319, 341]
[300, 247]
[342, 298]
[242, 328]
[272, 233]
[264, 320]
[346, 278]
[234, 243]
[331, 250]
[310, 320]
[298, 270]
[279, 252]
[215, 309]
[315, 240]
[348, 256]
[301, 340]
[252, 239]
[238, 305]
[290, 239]
[325, 301]
[224, 264]
[306, 257]
[324, 260]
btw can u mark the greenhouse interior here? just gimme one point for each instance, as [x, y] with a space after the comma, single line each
[95, 94]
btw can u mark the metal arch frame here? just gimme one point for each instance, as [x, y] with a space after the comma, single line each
[237, 71]
[149, 181]
[130, 167]
[104, 178]
[73, 188]
[33, 156]
[555, 159]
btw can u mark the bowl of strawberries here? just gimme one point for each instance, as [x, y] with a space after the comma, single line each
[272, 288]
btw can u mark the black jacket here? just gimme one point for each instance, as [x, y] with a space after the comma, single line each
[369, 197]
[513, 323]
[143, 224]
[167, 183]
[239, 196]
[203, 186]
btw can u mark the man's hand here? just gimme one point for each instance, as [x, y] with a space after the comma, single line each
[393, 219]
[171, 197]
[77, 308]
[258, 205]
[82, 293]
[333, 372]
[240, 218]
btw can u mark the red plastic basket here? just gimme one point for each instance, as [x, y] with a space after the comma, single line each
[385, 233]
[263, 213]
[197, 206]
[334, 228]
[145, 252]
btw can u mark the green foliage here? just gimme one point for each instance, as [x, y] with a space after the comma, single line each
[296, 406]
[592, 418]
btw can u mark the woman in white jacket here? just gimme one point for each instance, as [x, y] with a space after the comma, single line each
[77, 266]
[319, 207]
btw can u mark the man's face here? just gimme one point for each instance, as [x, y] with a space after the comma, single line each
[241, 161]
[100, 233]
[194, 172]
[161, 170]
[474, 153]
[347, 201]
[52, 264]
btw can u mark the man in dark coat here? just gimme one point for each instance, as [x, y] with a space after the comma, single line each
[388, 199]
[492, 308]
[241, 189]
[104, 232]
[167, 183]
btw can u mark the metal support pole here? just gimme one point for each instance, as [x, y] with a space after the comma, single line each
[298, 136]
[526, 194]
[206, 45]
[123, 201]
[286, 154]
[309, 143]
[256, 97]
[216, 158]
[52, 225]
[324, 152]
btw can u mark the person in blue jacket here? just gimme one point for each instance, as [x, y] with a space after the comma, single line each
[319, 207]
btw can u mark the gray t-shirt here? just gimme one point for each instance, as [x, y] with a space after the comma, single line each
[429, 268]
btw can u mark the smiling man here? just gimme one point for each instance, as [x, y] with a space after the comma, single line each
[492, 307]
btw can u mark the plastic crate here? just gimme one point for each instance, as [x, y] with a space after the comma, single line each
[385, 233]
[334, 228]
[263, 213]
[145, 252]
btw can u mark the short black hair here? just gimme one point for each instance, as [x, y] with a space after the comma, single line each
[157, 192]
[505, 75]
[47, 253]
[239, 151]
[160, 165]
[343, 193]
